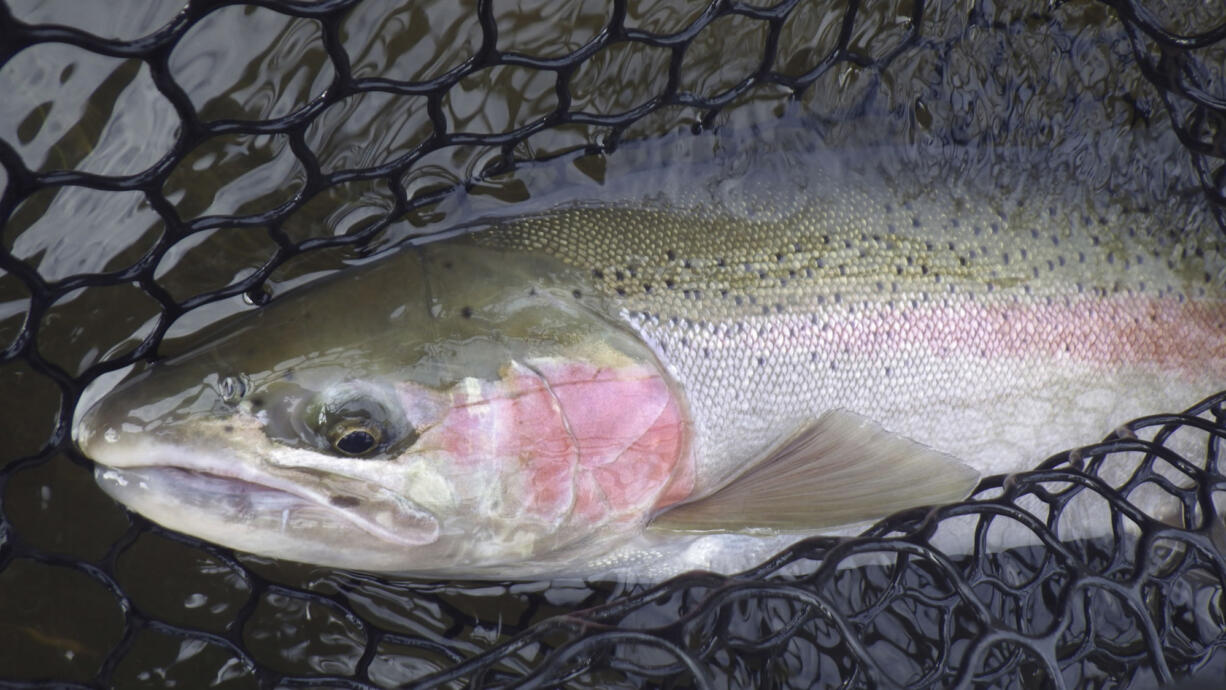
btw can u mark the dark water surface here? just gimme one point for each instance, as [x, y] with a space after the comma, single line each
[92, 594]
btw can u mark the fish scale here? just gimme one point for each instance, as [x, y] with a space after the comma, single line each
[893, 303]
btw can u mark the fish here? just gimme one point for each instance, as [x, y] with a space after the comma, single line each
[612, 388]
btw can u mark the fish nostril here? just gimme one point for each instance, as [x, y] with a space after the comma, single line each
[231, 389]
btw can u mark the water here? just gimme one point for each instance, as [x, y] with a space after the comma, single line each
[95, 590]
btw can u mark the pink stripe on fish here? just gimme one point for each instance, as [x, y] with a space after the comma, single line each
[1171, 336]
[1185, 339]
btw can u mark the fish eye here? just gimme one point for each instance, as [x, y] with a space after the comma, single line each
[355, 439]
[355, 420]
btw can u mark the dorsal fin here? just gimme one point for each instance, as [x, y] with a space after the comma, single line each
[837, 470]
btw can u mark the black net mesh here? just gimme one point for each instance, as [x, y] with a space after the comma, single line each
[346, 127]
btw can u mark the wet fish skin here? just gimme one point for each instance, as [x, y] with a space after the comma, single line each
[962, 323]
[996, 329]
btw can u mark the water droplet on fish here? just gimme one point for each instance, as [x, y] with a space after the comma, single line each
[110, 435]
[257, 296]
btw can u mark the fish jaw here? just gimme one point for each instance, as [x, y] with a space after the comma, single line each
[202, 489]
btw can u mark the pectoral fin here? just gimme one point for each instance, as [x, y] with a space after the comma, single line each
[837, 470]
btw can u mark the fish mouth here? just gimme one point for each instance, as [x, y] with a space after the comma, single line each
[178, 489]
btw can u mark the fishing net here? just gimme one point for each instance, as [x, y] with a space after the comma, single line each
[370, 115]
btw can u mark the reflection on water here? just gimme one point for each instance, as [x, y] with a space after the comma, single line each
[68, 108]
[1066, 85]
[270, 65]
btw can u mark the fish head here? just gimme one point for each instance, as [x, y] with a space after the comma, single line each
[451, 411]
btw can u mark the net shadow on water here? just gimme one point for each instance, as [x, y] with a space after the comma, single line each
[151, 145]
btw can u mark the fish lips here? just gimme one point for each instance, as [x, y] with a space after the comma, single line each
[308, 518]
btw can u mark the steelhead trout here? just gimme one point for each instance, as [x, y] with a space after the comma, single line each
[643, 388]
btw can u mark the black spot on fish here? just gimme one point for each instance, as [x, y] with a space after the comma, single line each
[345, 501]
[672, 255]
[228, 428]
[447, 265]
[577, 294]
[466, 312]
[597, 274]
[668, 283]
[915, 221]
